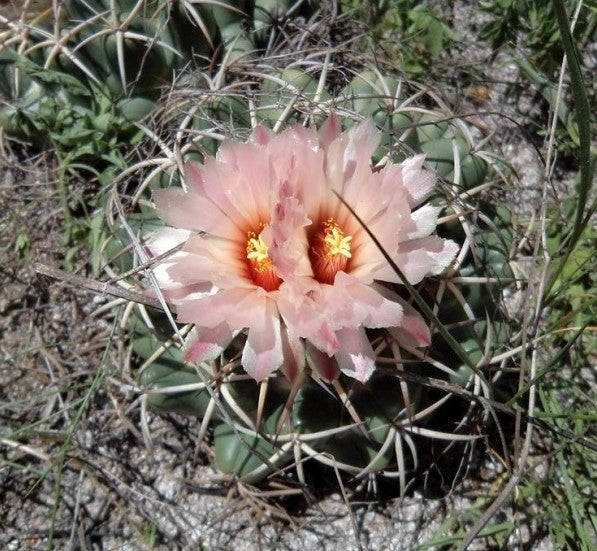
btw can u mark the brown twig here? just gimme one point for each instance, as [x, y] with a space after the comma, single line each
[99, 287]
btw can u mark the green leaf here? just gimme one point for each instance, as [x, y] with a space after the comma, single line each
[51, 77]
[22, 245]
[550, 92]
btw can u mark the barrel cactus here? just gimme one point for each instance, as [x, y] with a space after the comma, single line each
[113, 59]
[335, 269]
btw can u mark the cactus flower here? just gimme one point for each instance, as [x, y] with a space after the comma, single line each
[269, 247]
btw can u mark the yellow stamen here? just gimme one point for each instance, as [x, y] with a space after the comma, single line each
[257, 253]
[260, 268]
[329, 251]
[335, 240]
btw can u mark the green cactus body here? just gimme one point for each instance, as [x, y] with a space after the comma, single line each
[377, 96]
[489, 257]
[125, 51]
[379, 405]
[431, 127]
[265, 12]
[364, 433]
[288, 91]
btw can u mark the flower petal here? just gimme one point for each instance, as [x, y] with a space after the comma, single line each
[363, 139]
[286, 240]
[425, 221]
[232, 306]
[207, 344]
[192, 212]
[306, 317]
[211, 259]
[294, 354]
[355, 357]
[419, 258]
[165, 239]
[261, 135]
[250, 164]
[413, 330]
[439, 253]
[262, 353]
[359, 304]
[330, 130]
[417, 181]
[325, 366]
[159, 243]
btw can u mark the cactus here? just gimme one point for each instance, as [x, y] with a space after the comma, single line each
[125, 51]
[111, 62]
[355, 427]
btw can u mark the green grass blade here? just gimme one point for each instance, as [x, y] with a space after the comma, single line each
[583, 119]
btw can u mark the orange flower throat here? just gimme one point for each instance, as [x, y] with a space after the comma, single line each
[261, 269]
[329, 252]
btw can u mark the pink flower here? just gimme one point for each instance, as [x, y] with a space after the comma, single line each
[270, 248]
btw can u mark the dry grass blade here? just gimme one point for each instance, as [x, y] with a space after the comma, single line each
[98, 287]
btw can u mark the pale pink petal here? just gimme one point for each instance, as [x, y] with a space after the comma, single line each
[419, 258]
[425, 220]
[192, 212]
[207, 344]
[376, 204]
[300, 136]
[363, 139]
[193, 177]
[177, 292]
[263, 351]
[359, 304]
[286, 239]
[440, 251]
[334, 164]
[252, 164]
[367, 271]
[229, 191]
[413, 330]
[444, 255]
[293, 349]
[159, 243]
[389, 234]
[305, 317]
[165, 239]
[415, 264]
[391, 180]
[233, 306]
[203, 260]
[330, 130]
[298, 166]
[417, 182]
[261, 135]
[355, 357]
[326, 367]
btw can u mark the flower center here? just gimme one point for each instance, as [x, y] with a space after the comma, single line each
[329, 251]
[261, 269]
